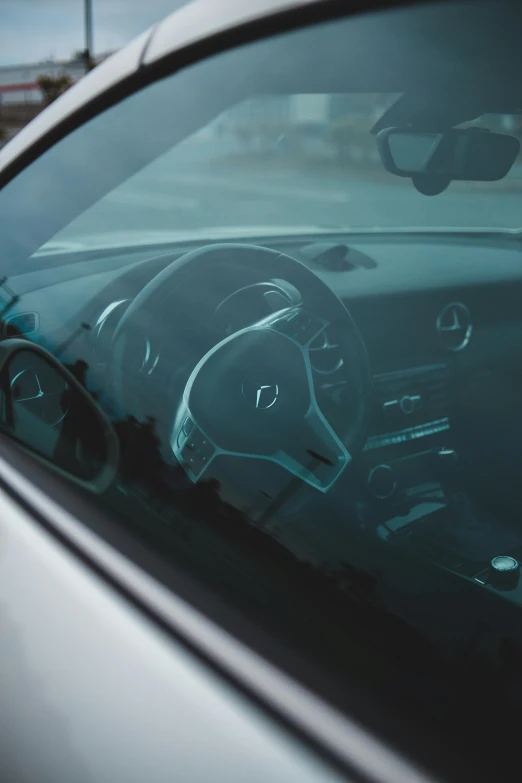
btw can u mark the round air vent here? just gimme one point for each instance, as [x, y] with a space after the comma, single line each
[325, 353]
[454, 326]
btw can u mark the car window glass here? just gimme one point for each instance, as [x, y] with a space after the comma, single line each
[312, 368]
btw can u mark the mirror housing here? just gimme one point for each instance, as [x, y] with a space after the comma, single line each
[456, 154]
[47, 411]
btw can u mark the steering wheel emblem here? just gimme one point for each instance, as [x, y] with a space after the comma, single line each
[258, 395]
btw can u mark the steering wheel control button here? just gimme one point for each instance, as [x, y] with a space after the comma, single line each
[197, 452]
[381, 482]
[300, 327]
[188, 426]
[504, 572]
[305, 328]
[185, 430]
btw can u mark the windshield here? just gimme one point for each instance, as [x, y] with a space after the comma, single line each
[301, 161]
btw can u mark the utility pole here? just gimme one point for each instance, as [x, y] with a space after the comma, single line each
[88, 36]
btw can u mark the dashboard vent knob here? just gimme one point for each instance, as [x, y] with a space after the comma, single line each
[504, 572]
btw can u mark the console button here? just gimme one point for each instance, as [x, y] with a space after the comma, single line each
[504, 572]
[390, 407]
[410, 403]
[300, 326]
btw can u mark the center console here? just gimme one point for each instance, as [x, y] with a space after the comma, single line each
[413, 489]
[411, 417]
[409, 456]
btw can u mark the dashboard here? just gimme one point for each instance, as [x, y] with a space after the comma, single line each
[441, 317]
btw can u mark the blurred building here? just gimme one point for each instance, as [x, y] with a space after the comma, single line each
[21, 98]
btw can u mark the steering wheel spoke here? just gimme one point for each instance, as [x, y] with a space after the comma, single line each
[315, 453]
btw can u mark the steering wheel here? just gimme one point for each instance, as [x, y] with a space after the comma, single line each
[254, 393]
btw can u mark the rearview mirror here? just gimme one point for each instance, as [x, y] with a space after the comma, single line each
[44, 407]
[456, 154]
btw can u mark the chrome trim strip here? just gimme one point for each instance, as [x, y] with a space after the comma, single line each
[410, 433]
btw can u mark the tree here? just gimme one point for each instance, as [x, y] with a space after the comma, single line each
[53, 86]
[83, 56]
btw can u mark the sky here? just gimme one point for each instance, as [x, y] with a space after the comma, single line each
[34, 30]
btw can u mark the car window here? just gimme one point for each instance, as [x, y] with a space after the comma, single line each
[308, 370]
